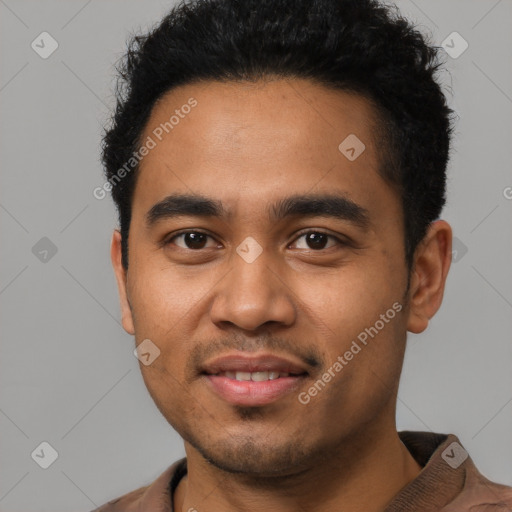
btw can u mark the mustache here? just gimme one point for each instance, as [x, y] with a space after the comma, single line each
[204, 350]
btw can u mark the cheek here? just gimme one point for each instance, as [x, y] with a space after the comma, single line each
[359, 316]
[160, 311]
[363, 359]
[352, 298]
[163, 299]
[172, 398]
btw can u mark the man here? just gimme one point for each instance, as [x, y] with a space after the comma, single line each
[279, 171]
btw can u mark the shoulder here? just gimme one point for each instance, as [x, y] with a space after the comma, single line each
[155, 496]
[125, 503]
[449, 480]
[481, 495]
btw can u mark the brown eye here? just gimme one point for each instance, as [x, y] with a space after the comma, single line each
[192, 240]
[315, 240]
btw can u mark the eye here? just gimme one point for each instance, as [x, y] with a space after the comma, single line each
[193, 240]
[316, 240]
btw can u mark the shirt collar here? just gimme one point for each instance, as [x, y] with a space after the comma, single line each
[437, 484]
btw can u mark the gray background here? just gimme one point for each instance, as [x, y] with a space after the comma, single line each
[67, 372]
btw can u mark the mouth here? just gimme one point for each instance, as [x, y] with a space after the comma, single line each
[253, 381]
[255, 376]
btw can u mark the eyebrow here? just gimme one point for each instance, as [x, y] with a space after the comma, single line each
[306, 205]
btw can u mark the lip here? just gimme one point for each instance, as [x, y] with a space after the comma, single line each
[249, 393]
[253, 393]
[253, 363]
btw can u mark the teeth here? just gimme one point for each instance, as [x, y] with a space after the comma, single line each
[259, 376]
[254, 376]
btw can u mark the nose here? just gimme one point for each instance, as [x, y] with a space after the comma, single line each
[253, 295]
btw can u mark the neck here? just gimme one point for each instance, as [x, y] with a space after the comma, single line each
[365, 473]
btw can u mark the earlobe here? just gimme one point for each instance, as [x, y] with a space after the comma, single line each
[430, 268]
[121, 278]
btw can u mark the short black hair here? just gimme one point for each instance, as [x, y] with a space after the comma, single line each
[359, 46]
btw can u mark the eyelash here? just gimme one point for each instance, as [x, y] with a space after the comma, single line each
[299, 235]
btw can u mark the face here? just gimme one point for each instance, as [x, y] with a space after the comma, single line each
[259, 250]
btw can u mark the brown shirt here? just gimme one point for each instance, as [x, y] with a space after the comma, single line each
[448, 482]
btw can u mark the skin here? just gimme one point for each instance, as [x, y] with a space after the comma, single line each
[249, 145]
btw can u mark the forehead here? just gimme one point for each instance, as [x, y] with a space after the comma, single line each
[244, 141]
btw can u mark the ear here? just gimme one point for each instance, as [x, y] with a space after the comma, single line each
[432, 261]
[120, 272]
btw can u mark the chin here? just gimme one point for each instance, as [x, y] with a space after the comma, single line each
[252, 457]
